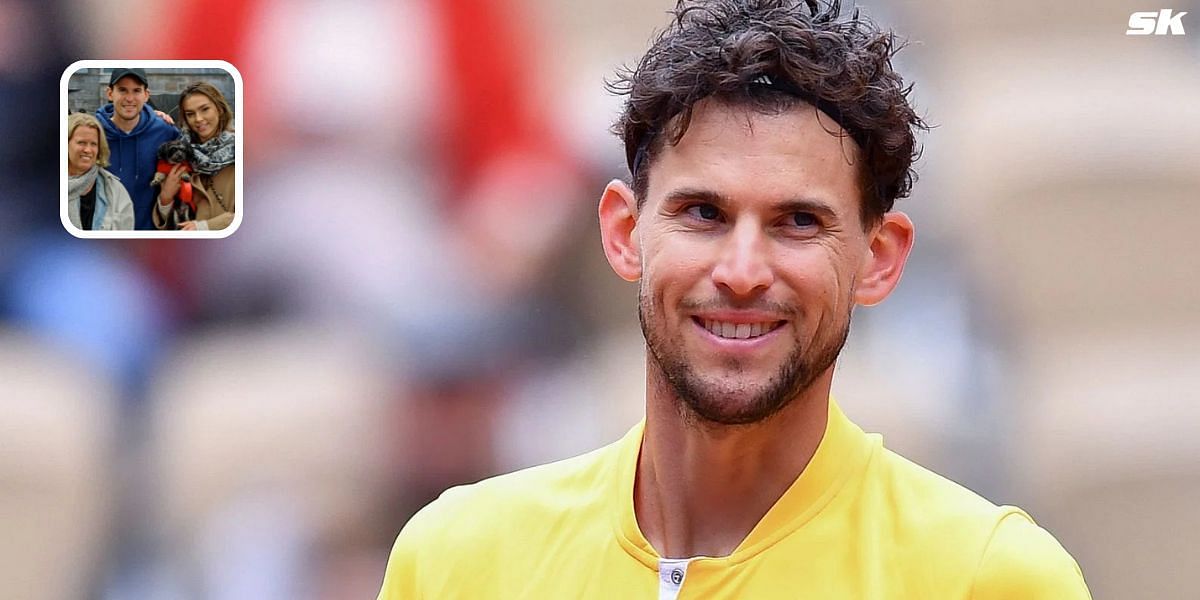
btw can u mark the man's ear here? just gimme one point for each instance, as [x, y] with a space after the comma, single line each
[618, 221]
[883, 264]
[108, 93]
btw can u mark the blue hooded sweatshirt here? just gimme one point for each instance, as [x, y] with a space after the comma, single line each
[134, 156]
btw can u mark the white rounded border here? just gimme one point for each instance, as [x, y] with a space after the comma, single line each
[238, 149]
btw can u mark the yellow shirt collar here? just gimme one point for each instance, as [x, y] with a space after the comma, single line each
[843, 451]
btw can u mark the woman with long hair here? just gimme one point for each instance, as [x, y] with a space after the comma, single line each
[208, 122]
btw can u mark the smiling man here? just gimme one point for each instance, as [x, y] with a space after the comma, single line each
[134, 133]
[767, 142]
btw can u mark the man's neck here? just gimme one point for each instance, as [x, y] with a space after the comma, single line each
[126, 125]
[701, 488]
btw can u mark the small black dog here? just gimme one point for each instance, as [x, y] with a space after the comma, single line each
[173, 153]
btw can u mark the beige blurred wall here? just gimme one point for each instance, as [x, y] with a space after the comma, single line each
[1067, 168]
[58, 483]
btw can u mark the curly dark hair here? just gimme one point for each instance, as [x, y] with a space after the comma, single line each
[772, 55]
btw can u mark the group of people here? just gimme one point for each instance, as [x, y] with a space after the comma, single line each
[112, 158]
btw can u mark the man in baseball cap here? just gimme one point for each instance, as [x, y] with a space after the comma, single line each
[118, 74]
[134, 132]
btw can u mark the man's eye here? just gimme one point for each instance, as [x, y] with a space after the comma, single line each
[803, 219]
[706, 212]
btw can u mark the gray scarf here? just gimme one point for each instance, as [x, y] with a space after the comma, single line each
[78, 185]
[213, 155]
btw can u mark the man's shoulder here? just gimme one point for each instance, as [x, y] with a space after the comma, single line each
[482, 531]
[945, 525]
[160, 129]
[104, 116]
[512, 501]
[1023, 560]
[934, 496]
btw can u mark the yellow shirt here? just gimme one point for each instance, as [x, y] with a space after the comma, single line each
[860, 522]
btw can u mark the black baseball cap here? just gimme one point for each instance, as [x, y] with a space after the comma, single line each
[138, 74]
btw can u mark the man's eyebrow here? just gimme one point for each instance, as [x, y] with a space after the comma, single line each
[707, 196]
[792, 205]
[806, 204]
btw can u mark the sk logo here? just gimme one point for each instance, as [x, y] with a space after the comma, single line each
[1156, 23]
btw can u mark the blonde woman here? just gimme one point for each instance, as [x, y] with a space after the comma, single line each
[207, 119]
[96, 199]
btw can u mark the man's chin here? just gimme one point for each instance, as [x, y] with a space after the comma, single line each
[732, 401]
[730, 410]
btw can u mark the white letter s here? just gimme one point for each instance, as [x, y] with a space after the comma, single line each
[1142, 23]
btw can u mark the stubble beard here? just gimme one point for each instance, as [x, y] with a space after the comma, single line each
[740, 404]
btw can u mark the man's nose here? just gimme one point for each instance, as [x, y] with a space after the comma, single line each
[744, 267]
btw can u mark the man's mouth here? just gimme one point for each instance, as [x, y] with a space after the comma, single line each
[738, 331]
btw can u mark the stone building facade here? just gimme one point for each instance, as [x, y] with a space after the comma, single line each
[87, 87]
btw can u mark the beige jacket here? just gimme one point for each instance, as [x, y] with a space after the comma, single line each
[215, 201]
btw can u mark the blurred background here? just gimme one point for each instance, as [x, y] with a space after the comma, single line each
[417, 297]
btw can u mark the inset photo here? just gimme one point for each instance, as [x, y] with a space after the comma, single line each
[151, 149]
